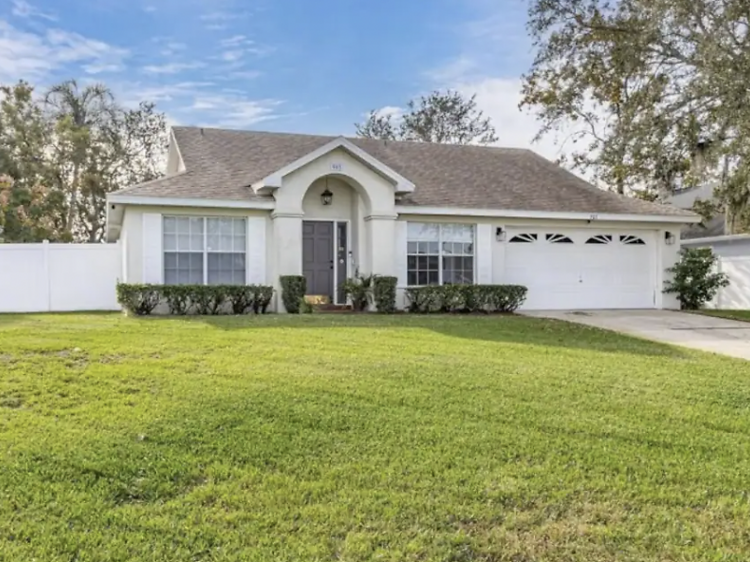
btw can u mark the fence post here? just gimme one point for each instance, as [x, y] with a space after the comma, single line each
[47, 280]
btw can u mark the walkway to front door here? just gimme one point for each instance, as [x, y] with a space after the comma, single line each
[317, 257]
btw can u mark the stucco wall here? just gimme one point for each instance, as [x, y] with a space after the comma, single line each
[377, 191]
[340, 207]
[132, 233]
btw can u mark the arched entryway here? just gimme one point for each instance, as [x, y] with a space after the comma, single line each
[334, 208]
[358, 225]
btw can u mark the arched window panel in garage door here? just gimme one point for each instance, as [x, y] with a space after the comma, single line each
[631, 240]
[600, 239]
[524, 238]
[558, 239]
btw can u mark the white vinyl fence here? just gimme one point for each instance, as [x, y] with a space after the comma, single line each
[734, 260]
[59, 277]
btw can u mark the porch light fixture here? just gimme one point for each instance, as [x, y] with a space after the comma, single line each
[500, 234]
[326, 197]
[669, 238]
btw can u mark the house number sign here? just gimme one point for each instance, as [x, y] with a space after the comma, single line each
[337, 167]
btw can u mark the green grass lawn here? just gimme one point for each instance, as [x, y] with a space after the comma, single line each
[743, 315]
[352, 438]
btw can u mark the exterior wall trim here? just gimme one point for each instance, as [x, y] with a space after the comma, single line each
[278, 215]
[592, 217]
[189, 202]
[369, 218]
[716, 239]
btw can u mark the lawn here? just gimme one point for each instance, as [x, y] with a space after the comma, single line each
[353, 438]
[743, 315]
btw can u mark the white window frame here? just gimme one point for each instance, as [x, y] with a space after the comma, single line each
[205, 219]
[440, 251]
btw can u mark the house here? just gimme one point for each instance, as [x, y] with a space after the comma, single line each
[732, 250]
[247, 207]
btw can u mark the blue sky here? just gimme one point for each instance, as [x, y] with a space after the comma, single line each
[285, 65]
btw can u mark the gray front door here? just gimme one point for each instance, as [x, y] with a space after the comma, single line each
[317, 257]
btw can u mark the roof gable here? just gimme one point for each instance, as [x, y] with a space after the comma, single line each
[274, 180]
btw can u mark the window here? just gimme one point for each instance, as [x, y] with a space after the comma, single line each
[632, 240]
[440, 254]
[524, 238]
[204, 251]
[600, 239]
[558, 239]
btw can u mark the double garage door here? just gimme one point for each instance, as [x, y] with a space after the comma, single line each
[582, 269]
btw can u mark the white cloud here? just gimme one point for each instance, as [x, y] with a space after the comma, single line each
[23, 9]
[234, 41]
[98, 68]
[389, 110]
[171, 67]
[455, 70]
[217, 26]
[149, 9]
[498, 98]
[218, 16]
[245, 74]
[231, 111]
[34, 56]
[243, 113]
[233, 55]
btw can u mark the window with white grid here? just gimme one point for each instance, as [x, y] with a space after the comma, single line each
[204, 250]
[440, 254]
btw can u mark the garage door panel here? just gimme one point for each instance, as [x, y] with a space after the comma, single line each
[613, 270]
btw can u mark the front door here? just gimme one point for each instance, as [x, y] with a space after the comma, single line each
[317, 257]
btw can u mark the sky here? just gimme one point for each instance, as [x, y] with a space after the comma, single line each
[306, 66]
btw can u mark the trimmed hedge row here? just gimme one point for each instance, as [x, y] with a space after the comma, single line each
[142, 300]
[466, 298]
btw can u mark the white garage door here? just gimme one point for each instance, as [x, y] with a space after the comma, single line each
[582, 269]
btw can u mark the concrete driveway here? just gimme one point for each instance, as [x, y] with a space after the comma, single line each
[689, 330]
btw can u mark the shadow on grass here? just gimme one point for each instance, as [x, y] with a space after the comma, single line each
[493, 328]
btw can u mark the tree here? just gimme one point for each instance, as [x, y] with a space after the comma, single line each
[30, 209]
[695, 279]
[660, 85]
[100, 147]
[440, 117]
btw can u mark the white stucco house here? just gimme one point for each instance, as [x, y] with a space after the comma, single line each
[247, 207]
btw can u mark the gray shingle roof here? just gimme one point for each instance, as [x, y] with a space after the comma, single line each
[714, 227]
[221, 164]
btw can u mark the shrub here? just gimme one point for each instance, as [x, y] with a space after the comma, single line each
[208, 299]
[423, 299]
[465, 298]
[695, 279]
[293, 290]
[501, 298]
[305, 307]
[177, 297]
[384, 293]
[138, 299]
[240, 297]
[358, 290]
[262, 295]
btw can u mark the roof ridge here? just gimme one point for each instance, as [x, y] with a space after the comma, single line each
[349, 138]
